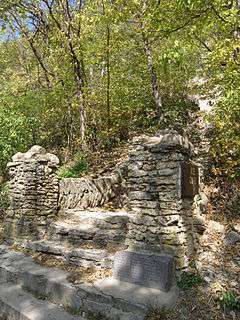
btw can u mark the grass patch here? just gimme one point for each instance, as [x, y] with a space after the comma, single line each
[230, 301]
[188, 280]
[79, 166]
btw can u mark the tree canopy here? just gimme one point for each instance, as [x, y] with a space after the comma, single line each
[84, 75]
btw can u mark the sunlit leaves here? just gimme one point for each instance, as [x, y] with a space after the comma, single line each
[188, 39]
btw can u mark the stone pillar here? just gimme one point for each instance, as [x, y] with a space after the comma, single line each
[162, 184]
[33, 194]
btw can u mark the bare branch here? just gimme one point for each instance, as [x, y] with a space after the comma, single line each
[203, 43]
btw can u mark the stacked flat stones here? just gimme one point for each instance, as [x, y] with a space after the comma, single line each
[161, 218]
[97, 229]
[81, 193]
[33, 194]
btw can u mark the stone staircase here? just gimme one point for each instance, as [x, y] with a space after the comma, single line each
[18, 304]
[87, 238]
[78, 227]
[160, 231]
[29, 291]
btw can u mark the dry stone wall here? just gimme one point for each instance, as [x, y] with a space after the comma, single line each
[33, 194]
[81, 193]
[162, 184]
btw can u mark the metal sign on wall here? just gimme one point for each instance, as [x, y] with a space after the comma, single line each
[189, 180]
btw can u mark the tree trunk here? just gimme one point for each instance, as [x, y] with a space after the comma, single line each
[108, 80]
[82, 123]
[66, 27]
[108, 35]
[153, 75]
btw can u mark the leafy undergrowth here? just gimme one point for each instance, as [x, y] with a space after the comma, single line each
[76, 168]
[230, 301]
[155, 314]
[104, 161]
[93, 163]
[195, 304]
[224, 199]
[188, 280]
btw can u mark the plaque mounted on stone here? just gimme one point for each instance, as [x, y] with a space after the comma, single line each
[145, 269]
[189, 180]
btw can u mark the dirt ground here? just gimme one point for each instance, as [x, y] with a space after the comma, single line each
[196, 304]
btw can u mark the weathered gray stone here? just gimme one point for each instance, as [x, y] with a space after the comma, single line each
[33, 194]
[232, 237]
[81, 193]
[149, 297]
[16, 304]
[145, 269]
[73, 256]
[236, 228]
[161, 218]
[52, 284]
[94, 227]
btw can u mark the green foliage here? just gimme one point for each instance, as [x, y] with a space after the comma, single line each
[86, 79]
[39, 79]
[4, 196]
[188, 280]
[179, 110]
[15, 135]
[230, 301]
[225, 147]
[79, 167]
[220, 32]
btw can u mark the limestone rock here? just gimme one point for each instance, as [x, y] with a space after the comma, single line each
[232, 237]
[162, 217]
[33, 194]
[145, 269]
[81, 193]
[236, 228]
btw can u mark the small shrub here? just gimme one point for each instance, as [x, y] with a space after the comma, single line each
[79, 167]
[188, 280]
[230, 301]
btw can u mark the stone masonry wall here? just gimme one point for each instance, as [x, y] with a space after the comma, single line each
[161, 198]
[81, 193]
[33, 194]
[162, 183]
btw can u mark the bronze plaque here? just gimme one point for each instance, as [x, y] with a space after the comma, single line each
[189, 180]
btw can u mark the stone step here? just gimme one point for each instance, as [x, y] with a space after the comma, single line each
[96, 216]
[81, 257]
[137, 294]
[78, 227]
[17, 304]
[52, 285]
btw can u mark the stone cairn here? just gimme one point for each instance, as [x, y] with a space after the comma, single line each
[162, 183]
[33, 194]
